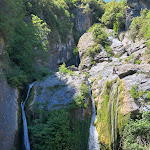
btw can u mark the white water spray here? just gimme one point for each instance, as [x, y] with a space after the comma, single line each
[93, 143]
[25, 127]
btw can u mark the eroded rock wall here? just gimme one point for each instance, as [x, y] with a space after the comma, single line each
[134, 8]
[8, 111]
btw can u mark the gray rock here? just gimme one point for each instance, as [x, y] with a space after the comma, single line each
[57, 90]
[117, 47]
[8, 115]
[134, 8]
[102, 56]
[83, 21]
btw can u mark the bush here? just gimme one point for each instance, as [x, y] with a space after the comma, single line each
[136, 134]
[114, 15]
[64, 70]
[129, 58]
[100, 36]
[137, 62]
[134, 93]
[16, 77]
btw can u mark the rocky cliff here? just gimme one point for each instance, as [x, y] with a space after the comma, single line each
[134, 8]
[8, 110]
[112, 90]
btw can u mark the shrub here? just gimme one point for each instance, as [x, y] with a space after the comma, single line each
[137, 62]
[64, 70]
[114, 15]
[129, 58]
[134, 93]
[100, 36]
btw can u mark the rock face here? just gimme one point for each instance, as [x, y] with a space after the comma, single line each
[59, 51]
[116, 45]
[85, 42]
[57, 90]
[134, 8]
[8, 115]
[83, 21]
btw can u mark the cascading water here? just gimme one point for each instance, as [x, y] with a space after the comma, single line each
[112, 116]
[93, 143]
[113, 134]
[118, 95]
[25, 127]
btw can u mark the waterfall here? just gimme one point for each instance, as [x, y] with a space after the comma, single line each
[77, 64]
[93, 143]
[118, 95]
[113, 130]
[112, 116]
[25, 127]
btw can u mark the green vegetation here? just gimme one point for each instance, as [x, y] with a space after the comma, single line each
[134, 92]
[140, 27]
[103, 122]
[80, 99]
[64, 70]
[58, 130]
[100, 36]
[114, 16]
[129, 58]
[138, 62]
[136, 134]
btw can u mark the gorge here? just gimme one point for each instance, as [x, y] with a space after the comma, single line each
[88, 62]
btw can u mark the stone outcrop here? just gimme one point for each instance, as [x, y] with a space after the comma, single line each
[116, 45]
[58, 90]
[59, 51]
[134, 8]
[8, 115]
[85, 42]
[83, 20]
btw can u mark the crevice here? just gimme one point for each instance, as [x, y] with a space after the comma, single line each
[128, 73]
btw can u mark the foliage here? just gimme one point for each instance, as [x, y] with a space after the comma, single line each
[75, 51]
[64, 70]
[16, 77]
[79, 100]
[58, 130]
[129, 58]
[114, 16]
[100, 36]
[140, 27]
[134, 92]
[42, 29]
[95, 8]
[136, 134]
[137, 62]
[55, 14]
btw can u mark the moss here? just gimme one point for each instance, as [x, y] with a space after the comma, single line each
[103, 122]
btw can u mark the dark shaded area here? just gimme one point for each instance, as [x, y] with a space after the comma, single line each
[128, 73]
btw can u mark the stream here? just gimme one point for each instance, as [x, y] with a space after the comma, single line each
[25, 127]
[93, 143]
